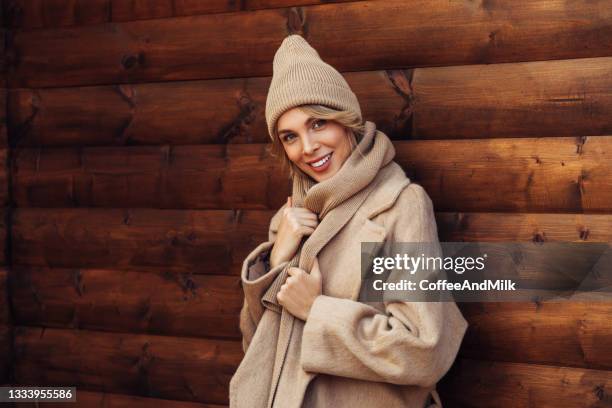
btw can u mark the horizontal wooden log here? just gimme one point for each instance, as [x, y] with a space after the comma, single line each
[484, 384]
[557, 333]
[216, 242]
[29, 14]
[550, 98]
[211, 47]
[108, 400]
[211, 242]
[173, 368]
[133, 176]
[546, 98]
[516, 175]
[127, 301]
[520, 175]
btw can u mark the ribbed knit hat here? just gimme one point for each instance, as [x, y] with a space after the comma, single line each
[301, 77]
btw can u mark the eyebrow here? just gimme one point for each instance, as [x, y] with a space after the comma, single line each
[281, 132]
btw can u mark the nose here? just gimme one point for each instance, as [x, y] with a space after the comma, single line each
[309, 145]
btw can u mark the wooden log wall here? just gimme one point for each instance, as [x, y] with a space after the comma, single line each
[136, 127]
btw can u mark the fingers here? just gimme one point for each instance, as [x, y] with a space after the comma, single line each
[304, 212]
[293, 271]
[309, 223]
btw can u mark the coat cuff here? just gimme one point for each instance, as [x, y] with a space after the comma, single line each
[254, 289]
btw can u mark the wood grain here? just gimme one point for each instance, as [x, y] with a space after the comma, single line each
[127, 301]
[173, 368]
[211, 242]
[382, 37]
[485, 384]
[549, 98]
[545, 98]
[513, 175]
[517, 175]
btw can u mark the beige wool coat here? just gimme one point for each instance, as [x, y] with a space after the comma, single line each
[349, 353]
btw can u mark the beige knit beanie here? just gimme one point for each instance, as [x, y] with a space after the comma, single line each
[301, 77]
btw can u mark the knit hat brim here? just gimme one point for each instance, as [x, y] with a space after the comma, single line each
[310, 93]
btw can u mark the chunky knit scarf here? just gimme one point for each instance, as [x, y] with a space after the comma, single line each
[335, 201]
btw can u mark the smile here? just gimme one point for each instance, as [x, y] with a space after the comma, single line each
[321, 162]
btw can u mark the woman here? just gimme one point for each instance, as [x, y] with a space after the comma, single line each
[308, 340]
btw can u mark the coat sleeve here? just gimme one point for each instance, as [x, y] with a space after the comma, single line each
[410, 343]
[256, 276]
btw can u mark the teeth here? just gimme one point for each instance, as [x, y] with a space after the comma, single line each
[320, 162]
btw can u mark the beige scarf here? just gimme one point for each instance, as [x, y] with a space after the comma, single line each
[335, 201]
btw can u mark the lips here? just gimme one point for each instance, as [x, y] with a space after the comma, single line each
[322, 164]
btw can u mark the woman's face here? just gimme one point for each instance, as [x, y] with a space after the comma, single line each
[318, 147]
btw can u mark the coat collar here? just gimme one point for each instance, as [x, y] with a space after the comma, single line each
[390, 181]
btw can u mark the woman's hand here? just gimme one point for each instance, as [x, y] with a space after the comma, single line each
[294, 225]
[300, 290]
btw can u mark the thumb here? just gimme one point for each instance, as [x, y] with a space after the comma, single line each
[289, 202]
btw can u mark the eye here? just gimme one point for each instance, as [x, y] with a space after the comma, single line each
[318, 123]
[289, 137]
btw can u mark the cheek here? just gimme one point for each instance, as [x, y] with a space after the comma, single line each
[293, 153]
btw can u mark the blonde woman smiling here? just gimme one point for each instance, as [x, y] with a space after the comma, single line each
[308, 340]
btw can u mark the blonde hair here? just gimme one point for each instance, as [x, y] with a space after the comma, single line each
[349, 120]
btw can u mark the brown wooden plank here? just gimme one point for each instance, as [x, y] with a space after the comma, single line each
[175, 368]
[546, 98]
[30, 14]
[517, 175]
[211, 47]
[127, 301]
[133, 176]
[483, 384]
[558, 333]
[550, 98]
[216, 242]
[86, 399]
[210, 242]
